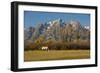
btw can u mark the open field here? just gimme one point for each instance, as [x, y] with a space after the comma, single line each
[39, 55]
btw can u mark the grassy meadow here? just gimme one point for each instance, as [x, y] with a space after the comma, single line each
[45, 55]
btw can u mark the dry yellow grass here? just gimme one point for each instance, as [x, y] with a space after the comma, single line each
[39, 55]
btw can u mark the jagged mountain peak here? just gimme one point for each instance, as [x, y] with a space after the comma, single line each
[55, 22]
[58, 30]
[74, 23]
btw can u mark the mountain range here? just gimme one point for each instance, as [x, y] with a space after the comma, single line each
[57, 30]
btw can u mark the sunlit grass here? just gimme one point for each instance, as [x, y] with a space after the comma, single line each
[40, 55]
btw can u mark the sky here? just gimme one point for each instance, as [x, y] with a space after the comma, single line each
[31, 18]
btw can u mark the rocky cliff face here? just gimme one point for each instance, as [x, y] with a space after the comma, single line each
[58, 30]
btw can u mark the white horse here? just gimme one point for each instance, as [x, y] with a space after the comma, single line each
[44, 48]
